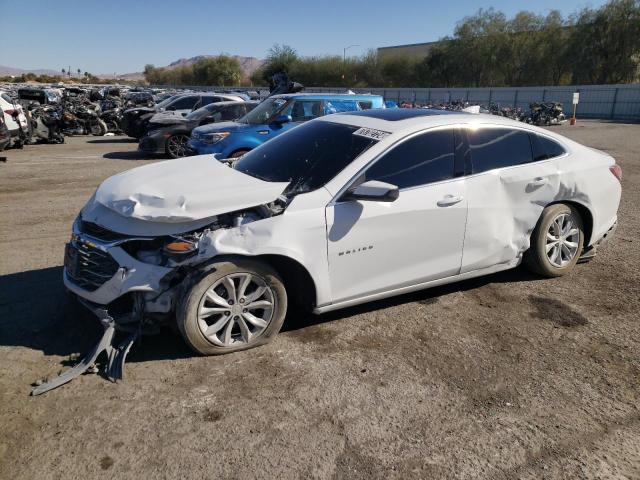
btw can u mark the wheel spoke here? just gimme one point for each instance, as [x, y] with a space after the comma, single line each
[551, 237]
[217, 299]
[259, 304]
[256, 294]
[550, 245]
[253, 320]
[558, 226]
[208, 311]
[244, 330]
[216, 327]
[572, 245]
[573, 232]
[244, 283]
[226, 339]
[567, 253]
[231, 289]
[555, 256]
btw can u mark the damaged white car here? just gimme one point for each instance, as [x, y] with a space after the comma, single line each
[342, 210]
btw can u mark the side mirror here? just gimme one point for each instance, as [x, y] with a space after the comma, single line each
[374, 191]
[280, 119]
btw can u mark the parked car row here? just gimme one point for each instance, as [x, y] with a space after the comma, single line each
[230, 127]
[47, 114]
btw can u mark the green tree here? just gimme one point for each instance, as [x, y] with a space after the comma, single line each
[605, 43]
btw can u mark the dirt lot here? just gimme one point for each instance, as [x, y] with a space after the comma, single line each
[508, 376]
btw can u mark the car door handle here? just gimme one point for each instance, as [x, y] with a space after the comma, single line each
[449, 200]
[538, 182]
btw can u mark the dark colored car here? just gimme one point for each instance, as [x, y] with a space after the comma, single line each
[134, 121]
[168, 135]
[5, 137]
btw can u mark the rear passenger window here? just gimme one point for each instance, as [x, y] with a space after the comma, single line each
[544, 147]
[184, 103]
[498, 147]
[423, 159]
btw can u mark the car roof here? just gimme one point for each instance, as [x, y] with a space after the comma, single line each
[401, 120]
[326, 96]
[231, 102]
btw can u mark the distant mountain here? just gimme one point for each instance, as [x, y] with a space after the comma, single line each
[19, 71]
[248, 64]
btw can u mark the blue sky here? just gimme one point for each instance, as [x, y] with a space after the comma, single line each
[121, 36]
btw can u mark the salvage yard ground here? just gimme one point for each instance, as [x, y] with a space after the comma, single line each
[502, 377]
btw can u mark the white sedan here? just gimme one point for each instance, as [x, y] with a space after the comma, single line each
[342, 210]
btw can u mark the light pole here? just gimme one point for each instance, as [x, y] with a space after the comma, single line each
[344, 58]
[344, 52]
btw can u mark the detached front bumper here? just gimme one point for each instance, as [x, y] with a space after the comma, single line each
[101, 271]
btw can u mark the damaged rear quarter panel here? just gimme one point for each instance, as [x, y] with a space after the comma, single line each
[505, 205]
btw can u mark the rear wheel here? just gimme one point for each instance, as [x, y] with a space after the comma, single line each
[556, 242]
[240, 305]
[176, 146]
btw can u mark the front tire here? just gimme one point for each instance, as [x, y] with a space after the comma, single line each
[556, 242]
[241, 304]
[176, 146]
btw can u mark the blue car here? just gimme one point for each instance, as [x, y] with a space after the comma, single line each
[273, 116]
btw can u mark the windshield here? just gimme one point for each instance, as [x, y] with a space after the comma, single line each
[265, 111]
[201, 113]
[307, 156]
[166, 101]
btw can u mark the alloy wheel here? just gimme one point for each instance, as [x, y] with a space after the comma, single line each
[236, 309]
[177, 146]
[563, 238]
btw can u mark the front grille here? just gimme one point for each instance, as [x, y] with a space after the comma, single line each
[96, 231]
[88, 267]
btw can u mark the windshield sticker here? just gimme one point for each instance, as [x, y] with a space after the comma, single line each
[371, 133]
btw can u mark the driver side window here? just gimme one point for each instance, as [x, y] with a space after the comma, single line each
[425, 158]
[303, 110]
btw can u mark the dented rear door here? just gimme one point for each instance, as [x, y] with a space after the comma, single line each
[506, 192]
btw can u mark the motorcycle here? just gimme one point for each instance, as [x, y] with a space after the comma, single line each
[112, 119]
[82, 119]
[45, 123]
[546, 113]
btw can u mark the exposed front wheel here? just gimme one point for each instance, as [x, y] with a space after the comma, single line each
[556, 242]
[239, 305]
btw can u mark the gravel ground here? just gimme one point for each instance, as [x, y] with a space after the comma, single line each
[507, 376]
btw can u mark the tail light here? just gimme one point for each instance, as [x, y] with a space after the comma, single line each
[617, 171]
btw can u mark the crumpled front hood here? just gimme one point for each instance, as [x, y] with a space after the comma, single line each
[168, 118]
[175, 192]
